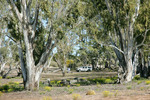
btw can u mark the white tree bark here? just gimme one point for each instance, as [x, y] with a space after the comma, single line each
[22, 63]
[124, 51]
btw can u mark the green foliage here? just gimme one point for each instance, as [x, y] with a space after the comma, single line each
[47, 98]
[8, 77]
[139, 82]
[1, 93]
[137, 77]
[47, 88]
[10, 87]
[77, 85]
[106, 93]
[68, 86]
[108, 81]
[147, 82]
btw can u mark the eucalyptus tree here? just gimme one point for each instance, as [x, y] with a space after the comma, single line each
[8, 56]
[144, 48]
[119, 22]
[116, 26]
[38, 20]
[64, 48]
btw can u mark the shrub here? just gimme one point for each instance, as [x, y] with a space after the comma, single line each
[76, 97]
[106, 93]
[147, 82]
[58, 82]
[1, 93]
[136, 77]
[91, 92]
[11, 86]
[10, 90]
[5, 87]
[47, 98]
[68, 86]
[77, 85]
[8, 77]
[108, 81]
[0, 77]
[47, 88]
[52, 82]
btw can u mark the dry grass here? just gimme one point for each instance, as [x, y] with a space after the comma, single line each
[119, 91]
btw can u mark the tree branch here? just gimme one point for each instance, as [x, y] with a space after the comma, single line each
[114, 46]
[142, 43]
[36, 15]
[15, 9]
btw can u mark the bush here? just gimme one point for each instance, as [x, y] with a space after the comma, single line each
[76, 97]
[77, 85]
[91, 92]
[11, 86]
[147, 82]
[10, 90]
[106, 93]
[8, 77]
[108, 81]
[1, 93]
[47, 98]
[68, 86]
[0, 77]
[136, 77]
[47, 88]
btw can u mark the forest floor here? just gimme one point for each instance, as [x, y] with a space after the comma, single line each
[135, 90]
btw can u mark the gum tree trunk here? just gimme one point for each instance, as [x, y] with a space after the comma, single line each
[125, 35]
[31, 72]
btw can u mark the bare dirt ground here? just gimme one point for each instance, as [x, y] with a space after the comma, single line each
[129, 91]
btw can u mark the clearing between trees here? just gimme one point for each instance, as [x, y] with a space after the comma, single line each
[138, 89]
